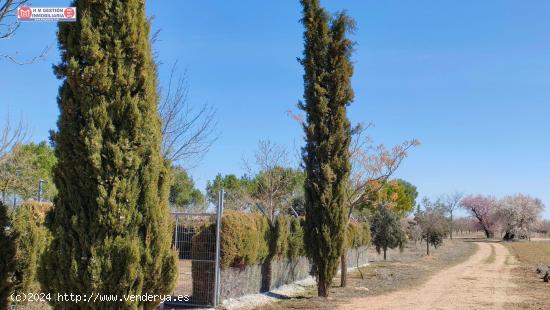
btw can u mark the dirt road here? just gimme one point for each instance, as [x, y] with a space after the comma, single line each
[483, 281]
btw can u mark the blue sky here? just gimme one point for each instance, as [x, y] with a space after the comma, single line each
[470, 79]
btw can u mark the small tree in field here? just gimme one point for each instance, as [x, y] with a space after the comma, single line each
[450, 203]
[386, 230]
[433, 226]
[414, 231]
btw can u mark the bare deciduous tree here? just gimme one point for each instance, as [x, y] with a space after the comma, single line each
[8, 17]
[450, 203]
[414, 231]
[188, 132]
[371, 166]
[275, 181]
[11, 135]
[15, 171]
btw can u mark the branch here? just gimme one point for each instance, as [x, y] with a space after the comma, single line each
[40, 57]
[10, 136]
[187, 134]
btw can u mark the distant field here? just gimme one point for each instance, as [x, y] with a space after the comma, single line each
[531, 253]
[529, 284]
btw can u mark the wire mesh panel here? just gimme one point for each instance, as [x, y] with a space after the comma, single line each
[196, 242]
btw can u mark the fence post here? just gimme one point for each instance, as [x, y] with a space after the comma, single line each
[176, 246]
[217, 272]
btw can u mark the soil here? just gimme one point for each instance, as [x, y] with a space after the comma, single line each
[402, 270]
[483, 281]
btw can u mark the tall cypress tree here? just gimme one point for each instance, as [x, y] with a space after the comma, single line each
[110, 225]
[327, 93]
[7, 257]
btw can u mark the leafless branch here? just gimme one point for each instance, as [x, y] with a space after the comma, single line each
[40, 57]
[9, 25]
[11, 135]
[372, 165]
[274, 184]
[188, 133]
[8, 17]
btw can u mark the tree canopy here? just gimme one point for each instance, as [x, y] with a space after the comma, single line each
[24, 166]
[183, 194]
[386, 230]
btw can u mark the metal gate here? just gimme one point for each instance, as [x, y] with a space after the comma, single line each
[197, 242]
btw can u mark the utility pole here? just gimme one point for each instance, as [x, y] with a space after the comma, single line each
[40, 182]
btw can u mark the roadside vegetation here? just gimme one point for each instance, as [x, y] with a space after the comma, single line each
[401, 270]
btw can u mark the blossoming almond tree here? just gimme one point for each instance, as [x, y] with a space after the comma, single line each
[483, 209]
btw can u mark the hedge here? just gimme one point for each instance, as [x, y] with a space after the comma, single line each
[203, 253]
[357, 235]
[246, 237]
[32, 239]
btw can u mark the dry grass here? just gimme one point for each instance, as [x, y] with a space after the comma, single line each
[531, 253]
[401, 271]
[529, 284]
[491, 259]
[184, 283]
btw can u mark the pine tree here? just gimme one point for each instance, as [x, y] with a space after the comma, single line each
[7, 257]
[110, 225]
[327, 93]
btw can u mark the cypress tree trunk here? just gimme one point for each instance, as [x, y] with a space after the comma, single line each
[385, 249]
[267, 267]
[343, 269]
[327, 93]
[110, 225]
[7, 257]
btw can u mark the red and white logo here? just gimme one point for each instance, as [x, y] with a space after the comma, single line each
[46, 14]
[68, 13]
[24, 13]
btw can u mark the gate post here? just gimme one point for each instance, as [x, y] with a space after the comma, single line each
[176, 245]
[217, 272]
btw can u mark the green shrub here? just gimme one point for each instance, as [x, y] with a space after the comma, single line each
[7, 256]
[203, 254]
[32, 239]
[280, 236]
[244, 239]
[295, 238]
[357, 235]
